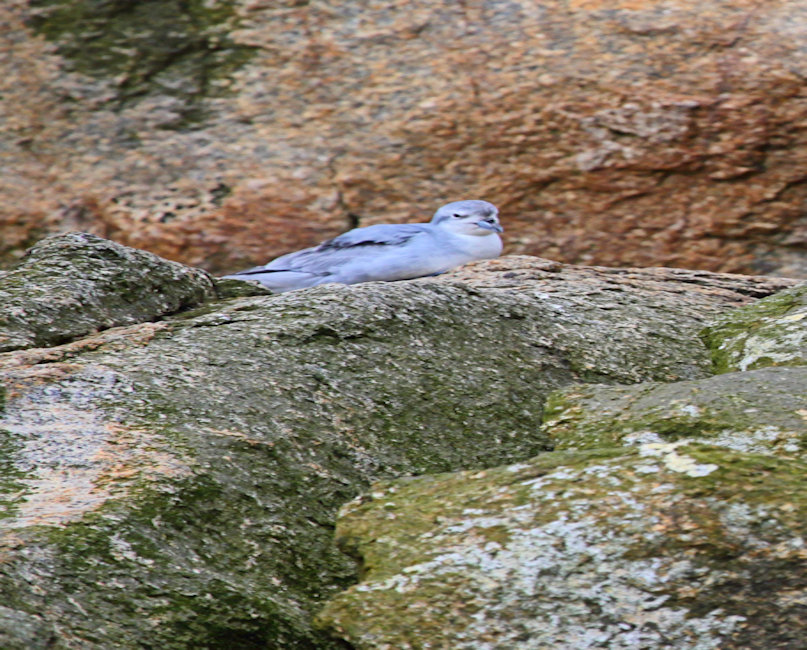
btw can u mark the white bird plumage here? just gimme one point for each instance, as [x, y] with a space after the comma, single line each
[458, 233]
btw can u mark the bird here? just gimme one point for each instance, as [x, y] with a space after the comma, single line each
[458, 233]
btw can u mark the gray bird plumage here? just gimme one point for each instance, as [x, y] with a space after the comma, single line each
[459, 232]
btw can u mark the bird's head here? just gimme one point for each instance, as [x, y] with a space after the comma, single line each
[478, 218]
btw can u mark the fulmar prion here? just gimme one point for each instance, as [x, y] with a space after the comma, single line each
[459, 232]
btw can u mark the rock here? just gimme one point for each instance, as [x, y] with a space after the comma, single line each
[68, 286]
[550, 277]
[759, 411]
[20, 630]
[630, 133]
[668, 515]
[175, 483]
[772, 332]
[667, 545]
[226, 288]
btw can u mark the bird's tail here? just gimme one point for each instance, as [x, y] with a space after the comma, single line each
[279, 280]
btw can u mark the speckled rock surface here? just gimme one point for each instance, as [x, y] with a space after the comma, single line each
[667, 545]
[667, 514]
[758, 403]
[174, 484]
[628, 133]
[75, 284]
[759, 411]
[772, 332]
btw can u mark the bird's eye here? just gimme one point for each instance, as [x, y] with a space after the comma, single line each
[456, 215]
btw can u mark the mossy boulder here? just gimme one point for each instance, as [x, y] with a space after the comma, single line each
[668, 515]
[71, 285]
[175, 483]
[770, 332]
[666, 545]
[760, 411]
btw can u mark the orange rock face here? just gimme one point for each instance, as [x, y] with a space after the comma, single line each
[626, 133]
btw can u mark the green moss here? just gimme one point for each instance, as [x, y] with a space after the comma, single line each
[75, 284]
[691, 526]
[753, 479]
[285, 408]
[184, 556]
[758, 410]
[766, 333]
[229, 288]
[11, 487]
[178, 48]
[414, 507]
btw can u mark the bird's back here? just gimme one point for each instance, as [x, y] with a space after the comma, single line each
[460, 232]
[373, 253]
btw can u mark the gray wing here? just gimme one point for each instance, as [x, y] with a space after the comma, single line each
[313, 266]
[331, 254]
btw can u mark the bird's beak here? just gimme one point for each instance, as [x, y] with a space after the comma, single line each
[490, 225]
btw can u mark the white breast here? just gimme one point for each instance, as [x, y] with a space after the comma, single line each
[479, 248]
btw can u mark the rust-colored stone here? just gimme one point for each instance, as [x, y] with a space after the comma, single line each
[662, 132]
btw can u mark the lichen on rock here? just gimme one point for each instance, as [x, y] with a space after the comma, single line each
[183, 50]
[75, 284]
[668, 514]
[175, 483]
[759, 411]
[685, 545]
[771, 332]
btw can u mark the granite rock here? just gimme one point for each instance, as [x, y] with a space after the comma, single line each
[664, 545]
[772, 332]
[71, 285]
[655, 133]
[760, 411]
[175, 482]
[666, 515]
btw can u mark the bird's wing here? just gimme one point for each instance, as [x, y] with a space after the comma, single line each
[331, 254]
[384, 234]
